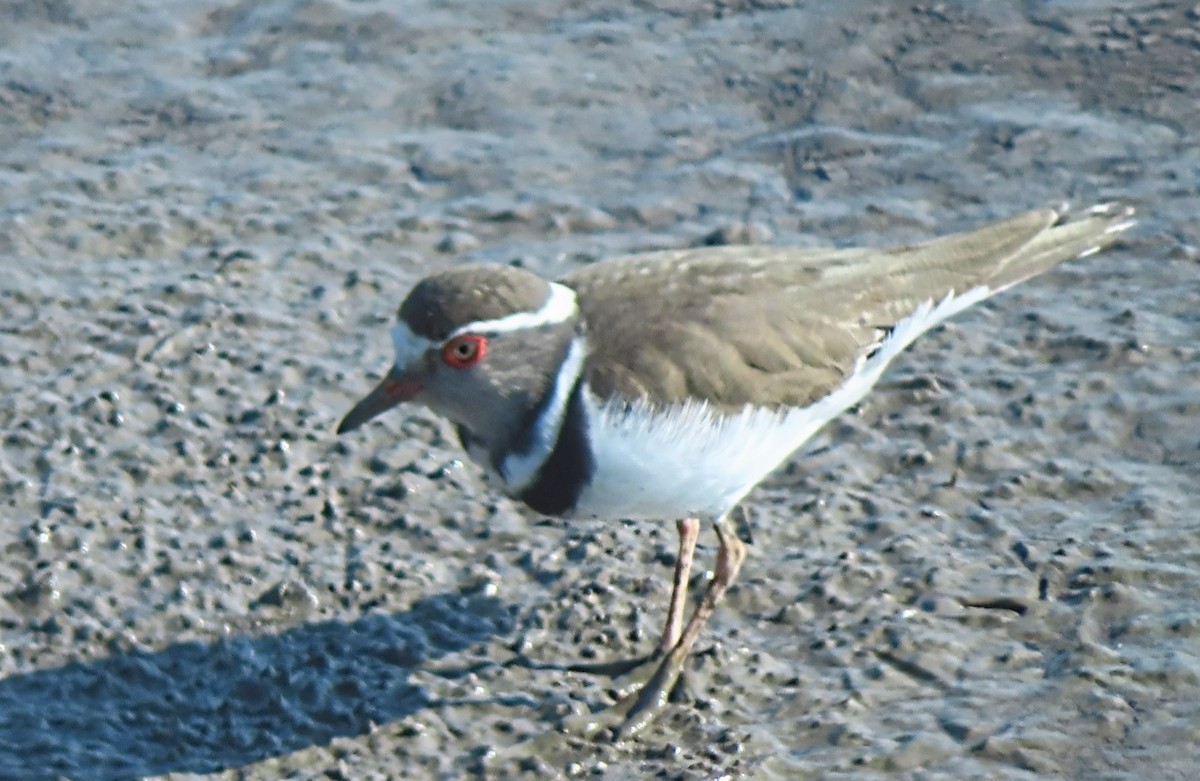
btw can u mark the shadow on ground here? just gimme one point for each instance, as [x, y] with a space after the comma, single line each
[203, 707]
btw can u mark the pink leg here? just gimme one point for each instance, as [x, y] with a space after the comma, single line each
[634, 711]
[730, 555]
[689, 531]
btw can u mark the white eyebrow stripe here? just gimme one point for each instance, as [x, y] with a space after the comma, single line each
[560, 306]
[409, 346]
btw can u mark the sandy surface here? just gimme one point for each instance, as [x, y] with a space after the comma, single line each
[209, 211]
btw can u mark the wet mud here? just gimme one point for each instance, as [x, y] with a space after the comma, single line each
[210, 211]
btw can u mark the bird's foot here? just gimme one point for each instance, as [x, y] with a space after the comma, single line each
[629, 675]
[661, 682]
[617, 668]
[626, 674]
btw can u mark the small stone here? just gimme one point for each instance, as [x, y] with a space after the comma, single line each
[740, 233]
[457, 242]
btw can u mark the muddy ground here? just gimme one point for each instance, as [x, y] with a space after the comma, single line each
[210, 210]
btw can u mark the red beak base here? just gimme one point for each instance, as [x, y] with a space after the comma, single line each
[394, 389]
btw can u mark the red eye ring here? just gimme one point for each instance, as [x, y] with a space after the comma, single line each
[464, 351]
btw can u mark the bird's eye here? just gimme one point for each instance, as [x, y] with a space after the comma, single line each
[464, 351]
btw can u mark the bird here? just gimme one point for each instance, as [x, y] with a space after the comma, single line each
[665, 385]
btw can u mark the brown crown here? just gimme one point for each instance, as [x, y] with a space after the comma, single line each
[448, 300]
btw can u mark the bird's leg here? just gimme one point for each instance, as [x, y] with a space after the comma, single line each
[644, 668]
[633, 672]
[689, 532]
[637, 709]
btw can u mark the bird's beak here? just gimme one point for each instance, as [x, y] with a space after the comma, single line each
[398, 386]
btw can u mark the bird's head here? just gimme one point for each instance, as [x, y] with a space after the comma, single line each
[479, 345]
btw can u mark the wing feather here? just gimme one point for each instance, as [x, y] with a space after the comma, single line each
[784, 326]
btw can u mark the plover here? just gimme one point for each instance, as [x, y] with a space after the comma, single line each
[666, 385]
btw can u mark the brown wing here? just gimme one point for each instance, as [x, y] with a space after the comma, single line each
[777, 326]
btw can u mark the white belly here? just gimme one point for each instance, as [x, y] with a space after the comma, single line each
[689, 462]
[693, 461]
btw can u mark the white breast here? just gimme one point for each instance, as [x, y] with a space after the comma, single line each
[689, 461]
[693, 461]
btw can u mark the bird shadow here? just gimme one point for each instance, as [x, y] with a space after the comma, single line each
[203, 707]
